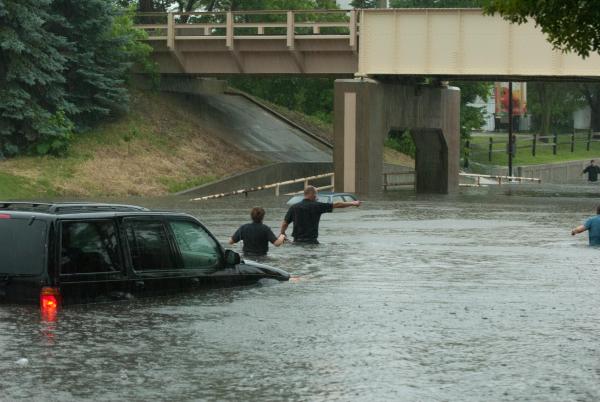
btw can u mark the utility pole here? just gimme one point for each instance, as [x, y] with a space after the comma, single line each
[510, 129]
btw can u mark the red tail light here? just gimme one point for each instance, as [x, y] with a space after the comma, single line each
[49, 302]
[4, 216]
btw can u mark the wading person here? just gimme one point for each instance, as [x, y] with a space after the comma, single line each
[592, 225]
[592, 171]
[306, 215]
[256, 235]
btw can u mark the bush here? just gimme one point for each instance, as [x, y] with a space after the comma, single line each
[402, 142]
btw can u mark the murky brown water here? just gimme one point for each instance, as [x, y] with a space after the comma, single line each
[480, 296]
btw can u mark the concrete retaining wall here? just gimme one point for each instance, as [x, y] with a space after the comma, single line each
[266, 175]
[556, 173]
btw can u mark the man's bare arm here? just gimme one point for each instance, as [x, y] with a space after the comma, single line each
[284, 226]
[346, 204]
[231, 241]
[578, 229]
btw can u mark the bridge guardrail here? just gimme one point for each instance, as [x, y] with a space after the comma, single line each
[234, 25]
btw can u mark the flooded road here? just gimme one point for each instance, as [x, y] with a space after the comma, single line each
[480, 296]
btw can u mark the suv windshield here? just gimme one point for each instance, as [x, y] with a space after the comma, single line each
[22, 246]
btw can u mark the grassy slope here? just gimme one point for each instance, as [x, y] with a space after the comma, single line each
[160, 147]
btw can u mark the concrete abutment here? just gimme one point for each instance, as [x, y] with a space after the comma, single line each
[365, 110]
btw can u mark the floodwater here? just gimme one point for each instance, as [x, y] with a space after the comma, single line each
[479, 296]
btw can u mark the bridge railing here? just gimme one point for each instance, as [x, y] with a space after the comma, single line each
[230, 26]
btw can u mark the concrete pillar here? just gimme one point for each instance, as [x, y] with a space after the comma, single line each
[358, 139]
[366, 110]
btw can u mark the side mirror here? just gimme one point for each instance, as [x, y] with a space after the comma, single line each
[232, 258]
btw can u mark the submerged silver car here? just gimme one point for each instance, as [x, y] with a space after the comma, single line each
[326, 196]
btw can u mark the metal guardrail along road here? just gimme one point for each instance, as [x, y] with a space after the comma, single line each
[387, 183]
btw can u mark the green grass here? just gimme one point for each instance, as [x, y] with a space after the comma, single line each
[19, 188]
[544, 153]
[174, 186]
[161, 146]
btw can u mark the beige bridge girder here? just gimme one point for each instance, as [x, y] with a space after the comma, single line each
[400, 42]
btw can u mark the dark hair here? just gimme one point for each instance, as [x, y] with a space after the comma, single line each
[257, 214]
[598, 210]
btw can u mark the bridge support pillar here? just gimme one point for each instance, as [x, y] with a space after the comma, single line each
[365, 111]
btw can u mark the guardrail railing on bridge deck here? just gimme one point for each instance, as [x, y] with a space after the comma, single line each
[234, 25]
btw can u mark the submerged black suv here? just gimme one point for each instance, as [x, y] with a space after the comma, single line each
[81, 252]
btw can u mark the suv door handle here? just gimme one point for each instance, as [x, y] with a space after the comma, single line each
[140, 284]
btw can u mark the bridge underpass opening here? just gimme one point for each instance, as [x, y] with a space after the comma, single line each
[366, 110]
[427, 146]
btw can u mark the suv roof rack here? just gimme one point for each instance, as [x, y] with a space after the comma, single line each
[67, 207]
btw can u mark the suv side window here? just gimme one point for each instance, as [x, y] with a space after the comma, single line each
[197, 247]
[349, 198]
[149, 245]
[89, 247]
[337, 198]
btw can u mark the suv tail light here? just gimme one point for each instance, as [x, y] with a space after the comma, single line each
[50, 299]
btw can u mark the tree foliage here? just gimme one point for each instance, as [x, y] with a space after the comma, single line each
[420, 3]
[436, 3]
[63, 65]
[227, 5]
[552, 104]
[571, 25]
[472, 117]
[591, 94]
[32, 83]
[312, 96]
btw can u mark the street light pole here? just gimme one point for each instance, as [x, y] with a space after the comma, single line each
[510, 129]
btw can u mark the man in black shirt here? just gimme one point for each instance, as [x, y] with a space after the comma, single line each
[592, 171]
[256, 235]
[306, 216]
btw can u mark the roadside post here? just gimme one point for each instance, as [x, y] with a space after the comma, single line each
[510, 129]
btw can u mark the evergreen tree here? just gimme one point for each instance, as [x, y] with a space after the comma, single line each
[32, 96]
[96, 66]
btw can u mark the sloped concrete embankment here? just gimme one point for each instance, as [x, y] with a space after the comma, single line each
[252, 127]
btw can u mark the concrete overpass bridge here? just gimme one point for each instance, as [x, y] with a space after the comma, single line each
[375, 47]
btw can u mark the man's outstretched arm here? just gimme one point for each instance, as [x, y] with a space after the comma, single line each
[578, 229]
[346, 204]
